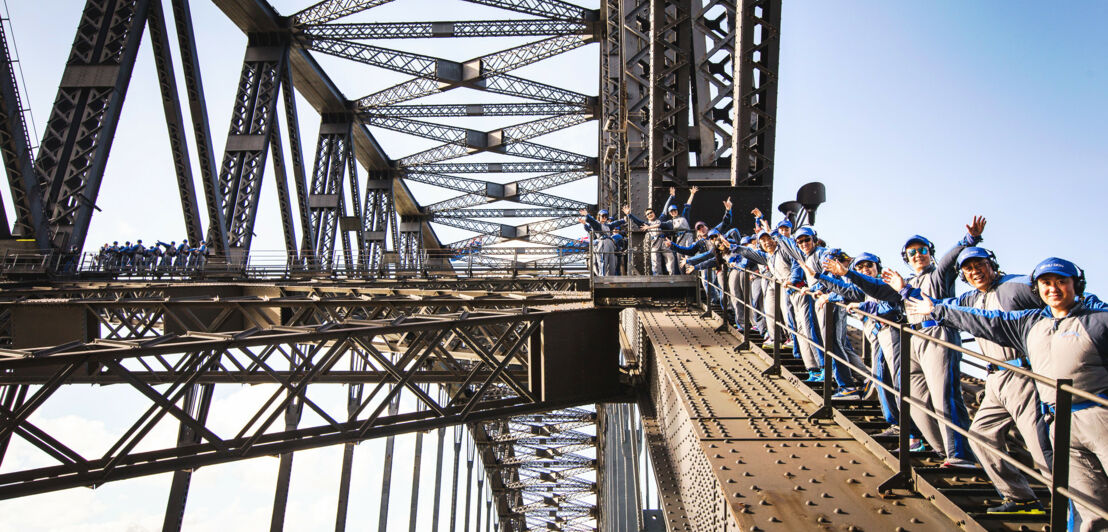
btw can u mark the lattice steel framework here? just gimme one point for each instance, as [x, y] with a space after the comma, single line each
[667, 86]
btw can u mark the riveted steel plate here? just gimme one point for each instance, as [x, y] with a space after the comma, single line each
[744, 455]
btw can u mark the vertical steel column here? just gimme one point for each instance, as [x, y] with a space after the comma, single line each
[197, 401]
[240, 176]
[350, 224]
[713, 88]
[410, 246]
[174, 120]
[284, 474]
[670, 55]
[296, 152]
[79, 133]
[198, 110]
[353, 401]
[288, 225]
[635, 44]
[617, 500]
[15, 147]
[438, 476]
[375, 219]
[325, 199]
[757, 46]
[386, 474]
[613, 135]
[417, 462]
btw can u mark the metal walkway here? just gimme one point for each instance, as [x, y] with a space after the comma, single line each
[742, 450]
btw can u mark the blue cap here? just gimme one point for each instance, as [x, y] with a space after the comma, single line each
[805, 231]
[760, 235]
[785, 223]
[917, 239]
[733, 234]
[866, 257]
[713, 232]
[975, 252]
[746, 240]
[603, 212]
[673, 207]
[837, 254]
[1057, 266]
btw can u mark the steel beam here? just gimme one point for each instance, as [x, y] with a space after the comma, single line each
[757, 47]
[15, 147]
[79, 133]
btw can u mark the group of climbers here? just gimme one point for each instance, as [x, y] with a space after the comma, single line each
[1044, 322]
[160, 257]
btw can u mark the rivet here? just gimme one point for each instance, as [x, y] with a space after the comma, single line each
[883, 511]
[764, 502]
[915, 520]
[825, 495]
[809, 503]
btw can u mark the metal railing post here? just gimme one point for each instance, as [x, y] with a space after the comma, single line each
[1063, 414]
[903, 478]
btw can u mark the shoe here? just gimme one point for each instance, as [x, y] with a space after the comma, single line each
[1008, 506]
[959, 463]
[893, 430]
[847, 393]
[869, 391]
[787, 345]
[814, 375]
[914, 446]
[768, 344]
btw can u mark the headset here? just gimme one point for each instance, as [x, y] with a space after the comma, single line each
[920, 239]
[1078, 279]
[990, 257]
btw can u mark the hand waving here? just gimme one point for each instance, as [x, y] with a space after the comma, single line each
[976, 227]
[893, 279]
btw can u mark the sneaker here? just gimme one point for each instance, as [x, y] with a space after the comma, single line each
[914, 446]
[959, 463]
[1009, 506]
[893, 430]
[768, 344]
[787, 345]
[814, 375]
[847, 393]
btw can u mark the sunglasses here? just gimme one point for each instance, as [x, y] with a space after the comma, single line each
[863, 264]
[803, 240]
[916, 251]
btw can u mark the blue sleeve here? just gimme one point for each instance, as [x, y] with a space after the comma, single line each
[700, 257]
[686, 211]
[756, 256]
[705, 264]
[665, 209]
[874, 288]
[1008, 329]
[592, 223]
[789, 246]
[638, 221]
[947, 265]
[1094, 302]
[796, 275]
[725, 222]
[617, 223]
[847, 290]
[691, 249]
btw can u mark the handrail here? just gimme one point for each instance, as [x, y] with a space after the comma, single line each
[1058, 480]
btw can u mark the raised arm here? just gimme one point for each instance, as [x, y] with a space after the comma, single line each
[947, 265]
[874, 288]
[849, 291]
[726, 221]
[665, 208]
[755, 256]
[1008, 329]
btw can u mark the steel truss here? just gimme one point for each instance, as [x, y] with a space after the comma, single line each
[484, 353]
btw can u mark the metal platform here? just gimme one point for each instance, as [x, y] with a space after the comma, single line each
[742, 451]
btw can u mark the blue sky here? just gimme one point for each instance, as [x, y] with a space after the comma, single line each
[916, 116]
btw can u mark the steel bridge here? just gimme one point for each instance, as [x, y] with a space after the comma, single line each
[638, 415]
